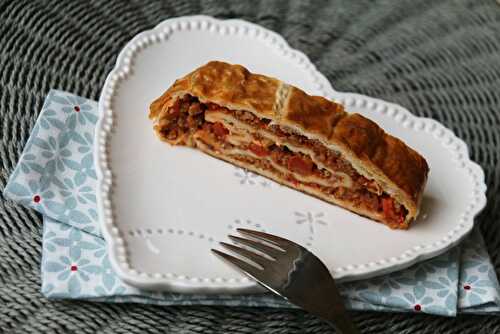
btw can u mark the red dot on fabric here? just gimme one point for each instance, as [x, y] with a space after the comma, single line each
[467, 287]
[74, 268]
[36, 198]
[77, 108]
[417, 307]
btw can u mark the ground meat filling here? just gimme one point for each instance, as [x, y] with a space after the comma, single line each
[187, 117]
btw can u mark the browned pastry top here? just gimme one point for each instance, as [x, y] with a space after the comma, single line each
[225, 84]
[315, 114]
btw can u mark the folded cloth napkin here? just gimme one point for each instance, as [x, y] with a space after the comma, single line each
[55, 176]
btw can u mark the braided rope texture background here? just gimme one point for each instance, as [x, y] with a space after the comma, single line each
[440, 59]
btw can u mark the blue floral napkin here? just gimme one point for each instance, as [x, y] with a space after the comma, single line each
[55, 176]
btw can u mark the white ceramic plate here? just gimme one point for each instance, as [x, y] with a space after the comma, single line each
[163, 208]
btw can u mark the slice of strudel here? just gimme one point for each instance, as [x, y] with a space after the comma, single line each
[305, 142]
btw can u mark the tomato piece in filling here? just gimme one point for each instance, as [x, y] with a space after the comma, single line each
[390, 211]
[219, 130]
[258, 150]
[301, 166]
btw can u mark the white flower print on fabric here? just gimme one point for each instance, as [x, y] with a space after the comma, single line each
[55, 176]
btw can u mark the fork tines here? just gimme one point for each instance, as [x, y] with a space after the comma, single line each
[268, 248]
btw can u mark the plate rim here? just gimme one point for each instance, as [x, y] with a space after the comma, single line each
[173, 282]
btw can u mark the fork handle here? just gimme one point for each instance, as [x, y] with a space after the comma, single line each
[341, 322]
[346, 328]
[343, 325]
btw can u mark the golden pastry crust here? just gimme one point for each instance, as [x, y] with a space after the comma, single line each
[400, 170]
[232, 86]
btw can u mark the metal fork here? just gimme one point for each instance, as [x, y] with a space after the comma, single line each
[292, 272]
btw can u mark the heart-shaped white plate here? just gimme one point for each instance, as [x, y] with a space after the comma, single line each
[162, 208]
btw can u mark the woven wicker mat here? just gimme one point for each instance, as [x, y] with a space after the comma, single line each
[439, 59]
